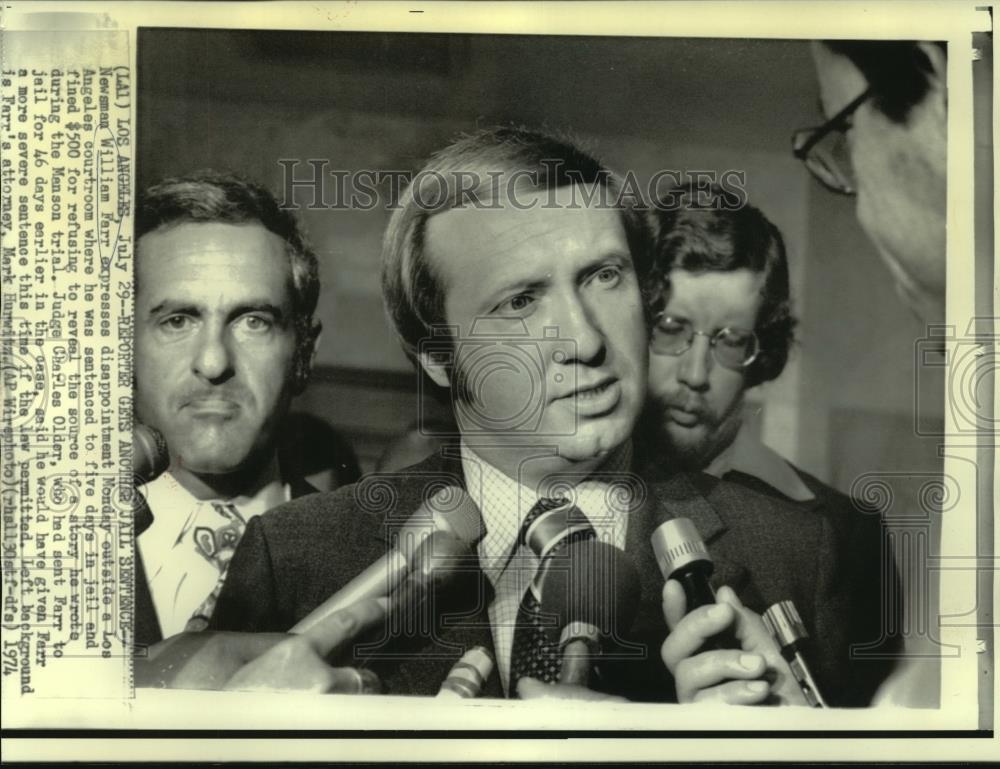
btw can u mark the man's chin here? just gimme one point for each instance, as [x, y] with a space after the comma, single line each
[218, 461]
[594, 441]
[686, 447]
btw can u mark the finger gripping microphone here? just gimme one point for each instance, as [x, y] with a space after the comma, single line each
[682, 556]
[439, 526]
[592, 590]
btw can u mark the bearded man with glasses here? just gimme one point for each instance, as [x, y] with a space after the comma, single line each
[718, 298]
[722, 324]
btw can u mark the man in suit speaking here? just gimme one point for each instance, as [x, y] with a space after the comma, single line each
[512, 273]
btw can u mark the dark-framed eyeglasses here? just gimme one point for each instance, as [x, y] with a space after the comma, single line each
[733, 348]
[824, 149]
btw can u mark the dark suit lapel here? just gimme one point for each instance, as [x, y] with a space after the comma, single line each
[146, 628]
[465, 623]
[682, 495]
[300, 487]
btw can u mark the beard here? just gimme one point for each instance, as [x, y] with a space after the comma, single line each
[661, 441]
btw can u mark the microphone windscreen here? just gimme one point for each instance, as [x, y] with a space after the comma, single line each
[150, 457]
[455, 511]
[448, 509]
[590, 582]
[676, 544]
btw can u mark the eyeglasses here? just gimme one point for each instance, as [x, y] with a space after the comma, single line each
[824, 149]
[734, 348]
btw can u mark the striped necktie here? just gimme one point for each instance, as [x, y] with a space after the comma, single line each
[533, 653]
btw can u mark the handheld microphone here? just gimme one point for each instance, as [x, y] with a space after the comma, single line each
[468, 676]
[439, 514]
[785, 624]
[593, 591]
[150, 457]
[682, 556]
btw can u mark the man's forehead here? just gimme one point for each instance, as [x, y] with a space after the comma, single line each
[839, 80]
[215, 258]
[532, 220]
[725, 289]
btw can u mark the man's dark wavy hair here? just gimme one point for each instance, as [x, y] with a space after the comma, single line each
[699, 233]
[896, 70]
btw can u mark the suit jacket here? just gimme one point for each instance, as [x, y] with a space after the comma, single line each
[147, 626]
[293, 558]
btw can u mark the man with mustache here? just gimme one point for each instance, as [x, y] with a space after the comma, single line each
[722, 325]
[226, 288]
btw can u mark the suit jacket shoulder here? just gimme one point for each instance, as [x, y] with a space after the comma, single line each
[293, 557]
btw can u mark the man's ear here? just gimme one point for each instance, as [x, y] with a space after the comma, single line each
[306, 357]
[435, 367]
[935, 101]
[937, 58]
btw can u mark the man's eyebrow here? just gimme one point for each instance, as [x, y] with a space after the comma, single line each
[620, 258]
[175, 306]
[258, 305]
[253, 305]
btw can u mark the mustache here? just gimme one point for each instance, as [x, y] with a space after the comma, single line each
[691, 402]
[238, 395]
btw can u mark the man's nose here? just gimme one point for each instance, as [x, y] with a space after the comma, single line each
[695, 363]
[578, 327]
[213, 359]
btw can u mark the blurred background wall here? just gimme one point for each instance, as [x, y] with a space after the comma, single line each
[244, 100]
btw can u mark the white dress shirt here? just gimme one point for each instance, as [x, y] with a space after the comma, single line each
[505, 504]
[180, 578]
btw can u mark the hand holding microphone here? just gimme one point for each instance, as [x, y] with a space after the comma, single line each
[750, 673]
[264, 661]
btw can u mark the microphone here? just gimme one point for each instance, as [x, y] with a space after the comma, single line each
[593, 591]
[433, 564]
[446, 529]
[468, 676]
[682, 556]
[785, 624]
[433, 567]
[150, 457]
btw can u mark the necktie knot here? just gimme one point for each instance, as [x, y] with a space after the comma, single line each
[541, 507]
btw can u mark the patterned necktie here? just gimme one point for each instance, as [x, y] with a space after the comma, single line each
[217, 547]
[532, 653]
